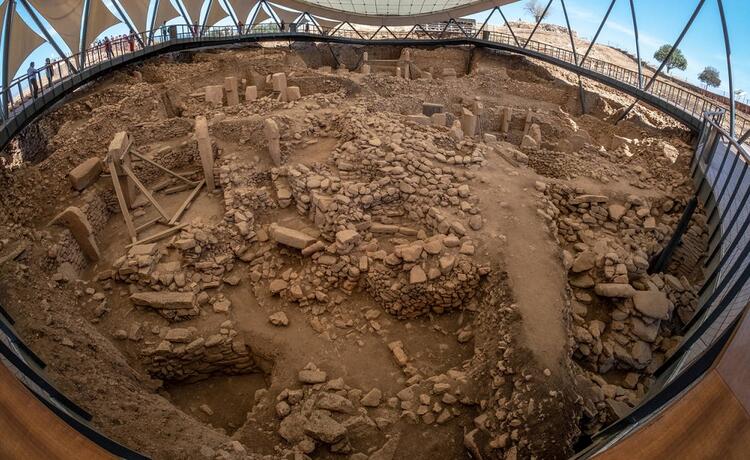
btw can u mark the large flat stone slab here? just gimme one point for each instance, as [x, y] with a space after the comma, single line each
[291, 237]
[164, 300]
[615, 290]
[85, 173]
[653, 304]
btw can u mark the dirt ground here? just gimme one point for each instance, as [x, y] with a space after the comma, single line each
[365, 280]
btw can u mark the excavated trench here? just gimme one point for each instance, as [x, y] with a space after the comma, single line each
[363, 280]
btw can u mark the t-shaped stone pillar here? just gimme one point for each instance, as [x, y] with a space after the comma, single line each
[75, 220]
[278, 80]
[118, 152]
[231, 86]
[505, 118]
[206, 151]
[271, 131]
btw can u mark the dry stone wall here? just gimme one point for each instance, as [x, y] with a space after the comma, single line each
[183, 355]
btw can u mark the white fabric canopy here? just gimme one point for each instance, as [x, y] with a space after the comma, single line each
[100, 19]
[326, 22]
[165, 13]
[216, 13]
[286, 16]
[65, 16]
[261, 16]
[138, 12]
[23, 40]
[242, 8]
[193, 8]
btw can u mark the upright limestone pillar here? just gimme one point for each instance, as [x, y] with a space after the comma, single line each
[206, 151]
[273, 136]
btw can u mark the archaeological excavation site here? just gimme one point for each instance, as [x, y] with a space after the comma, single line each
[307, 250]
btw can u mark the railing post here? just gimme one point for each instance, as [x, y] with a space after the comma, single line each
[662, 259]
[6, 48]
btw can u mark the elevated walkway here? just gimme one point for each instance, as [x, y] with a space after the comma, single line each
[674, 101]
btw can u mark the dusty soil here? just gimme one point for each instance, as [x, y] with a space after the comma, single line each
[395, 287]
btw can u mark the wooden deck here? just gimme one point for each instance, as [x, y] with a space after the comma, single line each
[30, 431]
[710, 421]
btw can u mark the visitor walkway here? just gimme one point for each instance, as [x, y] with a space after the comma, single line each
[21, 108]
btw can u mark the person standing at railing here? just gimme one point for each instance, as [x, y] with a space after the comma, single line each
[50, 71]
[131, 41]
[108, 47]
[195, 29]
[164, 31]
[31, 75]
[240, 26]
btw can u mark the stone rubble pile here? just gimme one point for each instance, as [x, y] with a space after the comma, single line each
[327, 411]
[608, 248]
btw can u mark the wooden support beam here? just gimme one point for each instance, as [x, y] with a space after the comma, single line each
[162, 168]
[187, 202]
[176, 189]
[145, 191]
[149, 224]
[158, 236]
[118, 153]
[121, 199]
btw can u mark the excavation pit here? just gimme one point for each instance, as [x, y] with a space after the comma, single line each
[304, 261]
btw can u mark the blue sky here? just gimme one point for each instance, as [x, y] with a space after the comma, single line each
[659, 22]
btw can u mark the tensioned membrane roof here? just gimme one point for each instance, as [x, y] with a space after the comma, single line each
[393, 12]
[391, 7]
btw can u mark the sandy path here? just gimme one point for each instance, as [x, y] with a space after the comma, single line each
[530, 255]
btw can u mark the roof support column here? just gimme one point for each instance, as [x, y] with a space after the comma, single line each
[153, 22]
[575, 56]
[183, 13]
[233, 15]
[58, 50]
[533, 31]
[6, 49]
[598, 31]
[124, 18]
[202, 21]
[485, 22]
[669, 56]
[84, 31]
[728, 50]
[509, 27]
[637, 45]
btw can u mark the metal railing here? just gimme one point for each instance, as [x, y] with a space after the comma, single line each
[22, 91]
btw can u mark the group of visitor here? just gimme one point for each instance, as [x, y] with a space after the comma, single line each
[124, 43]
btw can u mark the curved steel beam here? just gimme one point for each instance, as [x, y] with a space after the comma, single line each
[393, 20]
[66, 87]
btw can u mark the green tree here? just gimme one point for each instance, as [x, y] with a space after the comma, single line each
[676, 61]
[710, 76]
